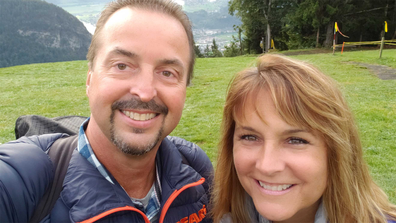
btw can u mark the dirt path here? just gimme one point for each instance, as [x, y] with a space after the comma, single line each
[383, 72]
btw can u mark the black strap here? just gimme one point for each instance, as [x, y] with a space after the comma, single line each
[60, 154]
[29, 125]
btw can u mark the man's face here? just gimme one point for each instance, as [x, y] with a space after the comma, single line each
[137, 85]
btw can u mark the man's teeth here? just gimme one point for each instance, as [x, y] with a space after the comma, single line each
[139, 117]
[275, 188]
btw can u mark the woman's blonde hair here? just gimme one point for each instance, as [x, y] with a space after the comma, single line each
[304, 97]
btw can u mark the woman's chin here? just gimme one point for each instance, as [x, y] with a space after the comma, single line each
[276, 215]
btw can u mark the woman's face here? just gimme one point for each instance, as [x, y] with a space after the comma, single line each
[282, 167]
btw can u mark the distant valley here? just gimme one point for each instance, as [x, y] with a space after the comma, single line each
[210, 18]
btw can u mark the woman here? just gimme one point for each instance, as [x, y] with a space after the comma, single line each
[290, 151]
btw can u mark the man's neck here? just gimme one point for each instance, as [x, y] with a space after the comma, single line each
[136, 174]
[136, 178]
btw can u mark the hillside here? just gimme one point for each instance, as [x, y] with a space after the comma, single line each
[210, 18]
[34, 31]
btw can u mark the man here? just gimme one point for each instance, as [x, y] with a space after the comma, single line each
[125, 168]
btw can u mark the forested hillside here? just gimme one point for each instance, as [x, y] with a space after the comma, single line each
[310, 23]
[34, 31]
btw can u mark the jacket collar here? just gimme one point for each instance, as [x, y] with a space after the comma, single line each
[88, 193]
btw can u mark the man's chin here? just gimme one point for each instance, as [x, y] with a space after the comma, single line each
[138, 144]
[133, 150]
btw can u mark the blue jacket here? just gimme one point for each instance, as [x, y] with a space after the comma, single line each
[26, 172]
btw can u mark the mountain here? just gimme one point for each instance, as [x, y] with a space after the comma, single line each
[69, 2]
[34, 31]
[210, 18]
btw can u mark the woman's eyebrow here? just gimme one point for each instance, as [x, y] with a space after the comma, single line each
[247, 128]
[292, 131]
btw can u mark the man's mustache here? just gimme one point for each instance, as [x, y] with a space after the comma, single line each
[137, 104]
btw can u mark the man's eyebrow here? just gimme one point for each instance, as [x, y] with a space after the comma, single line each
[170, 62]
[118, 51]
[173, 62]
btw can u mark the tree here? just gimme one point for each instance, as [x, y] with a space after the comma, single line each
[366, 21]
[259, 19]
[306, 21]
[267, 14]
[394, 20]
[215, 49]
[239, 30]
[232, 50]
[207, 52]
[197, 51]
[311, 22]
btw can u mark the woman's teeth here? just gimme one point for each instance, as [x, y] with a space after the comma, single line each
[275, 188]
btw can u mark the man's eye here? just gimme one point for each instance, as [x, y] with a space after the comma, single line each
[167, 73]
[295, 140]
[121, 66]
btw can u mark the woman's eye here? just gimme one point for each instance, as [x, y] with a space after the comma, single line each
[248, 138]
[167, 73]
[297, 141]
[121, 66]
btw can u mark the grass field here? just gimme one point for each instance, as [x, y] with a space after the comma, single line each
[58, 89]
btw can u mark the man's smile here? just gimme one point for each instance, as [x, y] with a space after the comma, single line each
[139, 116]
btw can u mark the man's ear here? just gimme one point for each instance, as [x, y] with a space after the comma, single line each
[88, 83]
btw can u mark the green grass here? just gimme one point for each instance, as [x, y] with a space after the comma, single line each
[58, 89]
[52, 89]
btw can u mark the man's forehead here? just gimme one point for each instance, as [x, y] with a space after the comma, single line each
[119, 16]
[128, 17]
[129, 14]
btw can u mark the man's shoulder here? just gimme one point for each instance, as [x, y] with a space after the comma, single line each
[194, 156]
[26, 171]
[28, 154]
[26, 160]
[43, 142]
[191, 151]
[182, 143]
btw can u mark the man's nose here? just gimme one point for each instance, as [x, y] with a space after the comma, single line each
[143, 86]
[270, 161]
